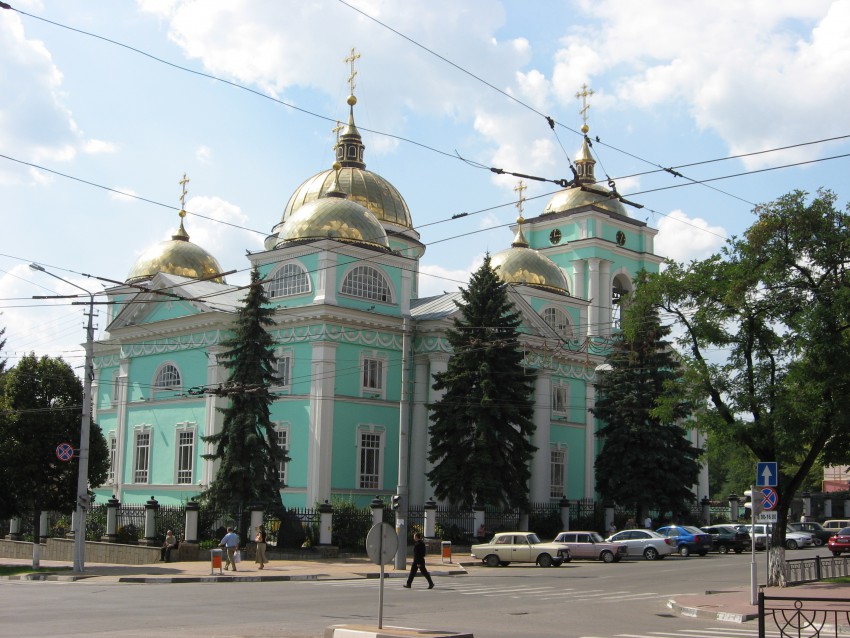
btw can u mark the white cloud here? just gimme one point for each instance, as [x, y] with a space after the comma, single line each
[123, 195]
[683, 239]
[204, 154]
[435, 280]
[99, 146]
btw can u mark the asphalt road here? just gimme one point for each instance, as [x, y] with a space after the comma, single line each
[581, 599]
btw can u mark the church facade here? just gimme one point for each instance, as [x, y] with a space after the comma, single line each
[356, 344]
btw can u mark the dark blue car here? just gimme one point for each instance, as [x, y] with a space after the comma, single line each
[688, 540]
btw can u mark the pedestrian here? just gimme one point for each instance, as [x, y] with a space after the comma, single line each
[630, 524]
[612, 528]
[647, 523]
[481, 534]
[168, 545]
[260, 538]
[803, 518]
[230, 543]
[419, 562]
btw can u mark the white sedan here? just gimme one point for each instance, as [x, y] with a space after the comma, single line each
[520, 547]
[644, 542]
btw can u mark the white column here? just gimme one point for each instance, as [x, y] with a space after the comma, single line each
[213, 419]
[326, 278]
[419, 431]
[439, 363]
[122, 436]
[605, 298]
[540, 474]
[593, 294]
[589, 444]
[406, 292]
[320, 455]
[578, 279]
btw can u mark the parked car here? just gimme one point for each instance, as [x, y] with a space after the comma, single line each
[644, 542]
[520, 547]
[689, 540]
[793, 540]
[840, 542]
[726, 538]
[591, 545]
[820, 535]
[836, 524]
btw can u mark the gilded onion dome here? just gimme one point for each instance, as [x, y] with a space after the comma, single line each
[177, 256]
[587, 191]
[520, 264]
[333, 216]
[360, 185]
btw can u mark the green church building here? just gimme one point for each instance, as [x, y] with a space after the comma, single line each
[357, 346]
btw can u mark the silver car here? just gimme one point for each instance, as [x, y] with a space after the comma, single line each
[520, 547]
[644, 542]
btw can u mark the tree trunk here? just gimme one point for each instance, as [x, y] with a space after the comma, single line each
[36, 538]
[777, 568]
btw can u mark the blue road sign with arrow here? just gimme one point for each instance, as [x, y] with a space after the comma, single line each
[767, 474]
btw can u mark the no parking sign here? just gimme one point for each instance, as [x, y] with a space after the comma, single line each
[64, 452]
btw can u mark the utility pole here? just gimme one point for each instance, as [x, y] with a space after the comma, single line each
[85, 423]
[403, 451]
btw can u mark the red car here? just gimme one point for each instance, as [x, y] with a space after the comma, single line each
[840, 542]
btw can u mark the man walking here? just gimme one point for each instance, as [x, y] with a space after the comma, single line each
[230, 543]
[419, 562]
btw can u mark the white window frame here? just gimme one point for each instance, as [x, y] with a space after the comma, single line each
[280, 431]
[286, 382]
[180, 470]
[373, 374]
[286, 282]
[557, 472]
[559, 321]
[560, 399]
[370, 458]
[367, 282]
[138, 470]
[112, 446]
[160, 371]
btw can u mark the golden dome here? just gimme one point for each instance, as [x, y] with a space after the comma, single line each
[335, 217]
[360, 185]
[177, 256]
[587, 191]
[520, 264]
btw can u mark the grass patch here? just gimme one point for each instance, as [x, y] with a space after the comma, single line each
[14, 570]
[840, 579]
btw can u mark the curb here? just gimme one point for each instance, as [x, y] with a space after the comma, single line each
[697, 612]
[215, 579]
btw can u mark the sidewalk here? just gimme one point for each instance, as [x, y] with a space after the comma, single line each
[200, 571]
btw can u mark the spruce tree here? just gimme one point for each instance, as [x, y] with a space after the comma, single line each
[481, 427]
[646, 461]
[246, 446]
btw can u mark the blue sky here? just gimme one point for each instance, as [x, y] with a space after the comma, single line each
[674, 83]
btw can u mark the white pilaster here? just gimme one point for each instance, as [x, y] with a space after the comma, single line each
[406, 291]
[326, 278]
[213, 418]
[593, 294]
[121, 434]
[419, 431]
[589, 444]
[540, 473]
[605, 287]
[320, 455]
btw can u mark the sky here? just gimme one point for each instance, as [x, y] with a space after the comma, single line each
[105, 104]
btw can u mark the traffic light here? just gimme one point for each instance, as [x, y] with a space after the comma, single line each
[396, 501]
[753, 501]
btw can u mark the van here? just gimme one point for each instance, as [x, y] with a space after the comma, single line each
[836, 524]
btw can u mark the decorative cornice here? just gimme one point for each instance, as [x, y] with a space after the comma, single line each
[338, 334]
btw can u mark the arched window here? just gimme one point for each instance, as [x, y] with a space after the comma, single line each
[167, 378]
[559, 322]
[368, 283]
[290, 279]
[621, 287]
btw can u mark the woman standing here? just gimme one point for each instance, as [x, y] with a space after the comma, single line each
[260, 538]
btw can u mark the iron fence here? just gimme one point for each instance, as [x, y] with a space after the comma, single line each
[800, 617]
[810, 570]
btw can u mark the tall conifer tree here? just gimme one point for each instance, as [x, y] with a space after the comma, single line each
[246, 445]
[481, 427]
[646, 461]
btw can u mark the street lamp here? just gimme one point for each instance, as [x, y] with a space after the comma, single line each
[83, 468]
